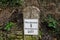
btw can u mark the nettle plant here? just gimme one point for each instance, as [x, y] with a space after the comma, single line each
[11, 2]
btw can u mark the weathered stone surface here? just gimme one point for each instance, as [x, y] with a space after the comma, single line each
[31, 12]
[31, 2]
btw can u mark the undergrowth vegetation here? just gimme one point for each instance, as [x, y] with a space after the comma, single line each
[11, 2]
[52, 25]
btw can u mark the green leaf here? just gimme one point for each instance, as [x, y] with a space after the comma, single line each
[8, 26]
[51, 21]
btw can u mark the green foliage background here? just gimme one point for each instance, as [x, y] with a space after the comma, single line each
[11, 2]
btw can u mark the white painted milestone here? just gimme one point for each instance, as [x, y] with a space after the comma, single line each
[30, 26]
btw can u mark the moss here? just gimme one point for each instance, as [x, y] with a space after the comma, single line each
[30, 38]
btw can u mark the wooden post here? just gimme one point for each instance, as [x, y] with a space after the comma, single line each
[31, 12]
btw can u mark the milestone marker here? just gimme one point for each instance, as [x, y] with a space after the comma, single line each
[31, 26]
